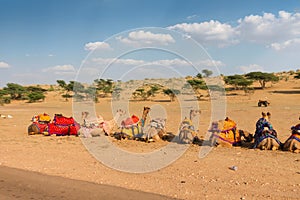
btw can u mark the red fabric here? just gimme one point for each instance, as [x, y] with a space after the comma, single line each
[63, 126]
[62, 120]
[63, 130]
[130, 121]
[41, 127]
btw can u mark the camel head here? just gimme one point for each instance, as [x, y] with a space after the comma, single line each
[146, 110]
[266, 115]
[121, 112]
[84, 114]
[194, 113]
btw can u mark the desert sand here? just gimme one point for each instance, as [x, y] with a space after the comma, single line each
[259, 174]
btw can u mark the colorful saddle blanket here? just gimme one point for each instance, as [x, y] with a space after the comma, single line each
[228, 133]
[264, 136]
[62, 125]
[41, 118]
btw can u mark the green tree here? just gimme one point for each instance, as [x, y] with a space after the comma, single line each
[153, 90]
[199, 76]
[35, 89]
[66, 87]
[104, 85]
[15, 91]
[262, 77]
[171, 93]
[207, 73]
[35, 96]
[141, 93]
[297, 76]
[4, 97]
[237, 81]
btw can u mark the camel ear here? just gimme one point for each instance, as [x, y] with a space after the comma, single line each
[263, 114]
[269, 114]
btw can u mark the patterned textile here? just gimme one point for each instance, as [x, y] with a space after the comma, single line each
[228, 133]
[63, 126]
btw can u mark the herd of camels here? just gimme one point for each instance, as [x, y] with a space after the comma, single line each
[222, 133]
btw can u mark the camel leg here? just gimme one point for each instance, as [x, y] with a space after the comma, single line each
[263, 144]
[296, 146]
[156, 138]
[275, 145]
[32, 129]
[287, 145]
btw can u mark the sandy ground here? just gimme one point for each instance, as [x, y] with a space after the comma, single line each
[259, 174]
[20, 184]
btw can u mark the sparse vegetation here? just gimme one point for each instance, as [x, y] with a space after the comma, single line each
[262, 78]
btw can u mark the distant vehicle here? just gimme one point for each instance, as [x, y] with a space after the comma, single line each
[263, 103]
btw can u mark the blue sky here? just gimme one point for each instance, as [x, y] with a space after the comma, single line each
[43, 41]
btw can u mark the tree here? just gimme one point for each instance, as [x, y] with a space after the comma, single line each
[35, 93]
[105, 86]
[171, 93]
[140, 92]
[237, 81]
[199, 76]
[66, 87]
[153, 90]
[297, 76]
[4, 97]
[262, 78]
[35, 89]
[15, 91]
[207, 73]
[35, 96]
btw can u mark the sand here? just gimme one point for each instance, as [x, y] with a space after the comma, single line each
[259, 174]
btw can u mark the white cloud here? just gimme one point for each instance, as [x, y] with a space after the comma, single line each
[4, 65]
[286, 44]
[166, 62]
[140, 38]
[170, 62]
[97, 46]
[210, 63]
[268, 28]
[107, 61]
[50, 55]
[250, 68]
[191, 17]
[212, 32]
[61, 69]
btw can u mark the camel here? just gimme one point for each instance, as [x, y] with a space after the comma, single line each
[155, 130]
[96, 126]
[187, 132]
[228, 135]
[39, 124]
[132, 127]
[293, 142]
[265, 136]
[33, 129]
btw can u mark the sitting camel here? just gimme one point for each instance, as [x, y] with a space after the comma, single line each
[155, 130]
[132, 127]
[96, 126]
[187, 133]
[265, 136]
[39, 124]
[293, 142]
[228, 135]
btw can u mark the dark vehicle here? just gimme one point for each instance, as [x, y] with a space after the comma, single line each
[263, 103]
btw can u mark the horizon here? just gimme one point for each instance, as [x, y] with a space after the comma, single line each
[44, 41]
